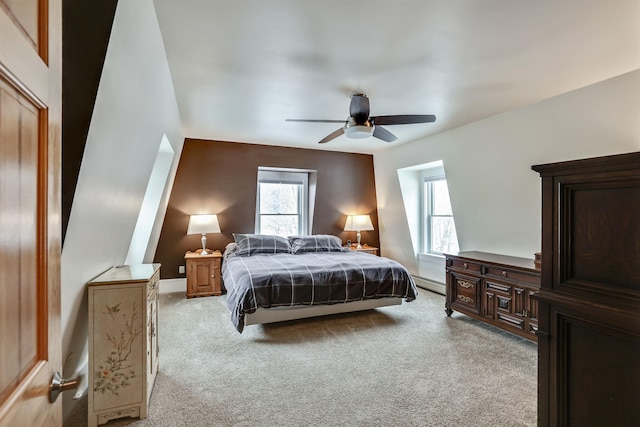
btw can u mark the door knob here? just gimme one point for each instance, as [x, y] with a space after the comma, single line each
[59, 384]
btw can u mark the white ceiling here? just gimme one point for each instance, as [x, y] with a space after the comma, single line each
[241, 67]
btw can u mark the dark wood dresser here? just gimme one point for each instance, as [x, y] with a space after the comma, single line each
[495, 289]
[589, 302]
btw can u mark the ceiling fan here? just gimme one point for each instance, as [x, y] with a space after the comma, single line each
[361, 125]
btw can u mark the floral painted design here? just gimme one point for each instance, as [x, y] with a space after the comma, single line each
[115, 373]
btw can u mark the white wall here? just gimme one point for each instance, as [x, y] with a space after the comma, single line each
[135, 106]
[494, 193]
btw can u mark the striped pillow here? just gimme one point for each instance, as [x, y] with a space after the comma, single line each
[249, 244]
[315, 243]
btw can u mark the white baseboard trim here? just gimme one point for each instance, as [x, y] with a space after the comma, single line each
[429, 285]
[173, 285]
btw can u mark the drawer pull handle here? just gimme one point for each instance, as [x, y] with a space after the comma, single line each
[464, 298]
[465, 265]
[465, 284]
[504, 273]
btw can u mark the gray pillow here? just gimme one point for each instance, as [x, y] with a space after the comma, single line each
[230, 250]
[250, 244]
[316, 243]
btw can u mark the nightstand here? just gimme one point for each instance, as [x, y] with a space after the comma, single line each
[203, 274]
[366, 248]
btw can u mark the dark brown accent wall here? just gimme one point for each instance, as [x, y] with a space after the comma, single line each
[86, 28]
[221, 178]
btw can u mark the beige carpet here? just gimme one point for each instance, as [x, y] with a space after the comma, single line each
[405, 365]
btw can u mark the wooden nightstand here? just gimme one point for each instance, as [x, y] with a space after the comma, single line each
[203, 274]
[365, 248]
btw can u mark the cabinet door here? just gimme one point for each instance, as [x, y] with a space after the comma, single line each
[117, 347]
[465, 292]
[595, 364]
[202, 274]
[509, 303]
[499, 298]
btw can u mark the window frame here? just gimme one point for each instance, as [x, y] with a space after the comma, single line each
[285, 176]
[427, 207]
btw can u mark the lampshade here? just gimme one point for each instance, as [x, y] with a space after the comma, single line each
[203, 224]
[358, 223]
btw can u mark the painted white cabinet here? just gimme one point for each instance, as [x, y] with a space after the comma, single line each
[123, 342]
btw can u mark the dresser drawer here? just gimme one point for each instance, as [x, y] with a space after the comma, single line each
[467, 285]
[515, 275]
[499, 288]
[459, 264]
[516, 322]
[468, 299]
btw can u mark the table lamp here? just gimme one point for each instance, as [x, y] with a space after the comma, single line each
[358, 223]
[203, 224]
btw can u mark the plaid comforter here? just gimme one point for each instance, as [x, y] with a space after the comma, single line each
[277, 280]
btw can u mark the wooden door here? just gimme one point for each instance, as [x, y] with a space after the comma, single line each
[30, 118]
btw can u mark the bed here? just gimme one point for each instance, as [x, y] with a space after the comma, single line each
[271, 279]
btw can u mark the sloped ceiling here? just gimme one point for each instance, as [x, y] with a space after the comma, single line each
[240, 68]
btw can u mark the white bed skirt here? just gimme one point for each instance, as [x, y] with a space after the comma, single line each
[281, 314]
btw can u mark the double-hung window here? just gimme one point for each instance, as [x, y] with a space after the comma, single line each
[283, 201]
[439, 230]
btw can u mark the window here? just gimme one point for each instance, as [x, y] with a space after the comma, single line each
[150, 203]
[439, 230]
[283, 202]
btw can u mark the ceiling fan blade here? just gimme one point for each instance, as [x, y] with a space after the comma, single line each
[332, 136]
[314, 121]
[406, 119]
[359, 108]
[383, 134]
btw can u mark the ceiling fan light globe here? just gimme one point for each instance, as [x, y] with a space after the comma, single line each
[358, 131]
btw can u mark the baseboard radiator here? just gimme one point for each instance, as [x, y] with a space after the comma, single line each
[430, 285]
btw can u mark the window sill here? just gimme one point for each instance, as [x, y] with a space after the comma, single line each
[435, 258]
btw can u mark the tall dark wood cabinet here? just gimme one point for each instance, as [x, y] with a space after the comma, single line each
[589, 301]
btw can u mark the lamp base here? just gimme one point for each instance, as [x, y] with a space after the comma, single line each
[204, 244]
[358, 235]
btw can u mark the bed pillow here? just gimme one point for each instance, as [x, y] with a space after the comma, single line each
[315, 243]
[230, 250]
[250, 244]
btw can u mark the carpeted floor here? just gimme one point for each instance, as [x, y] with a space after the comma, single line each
[405, 365]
